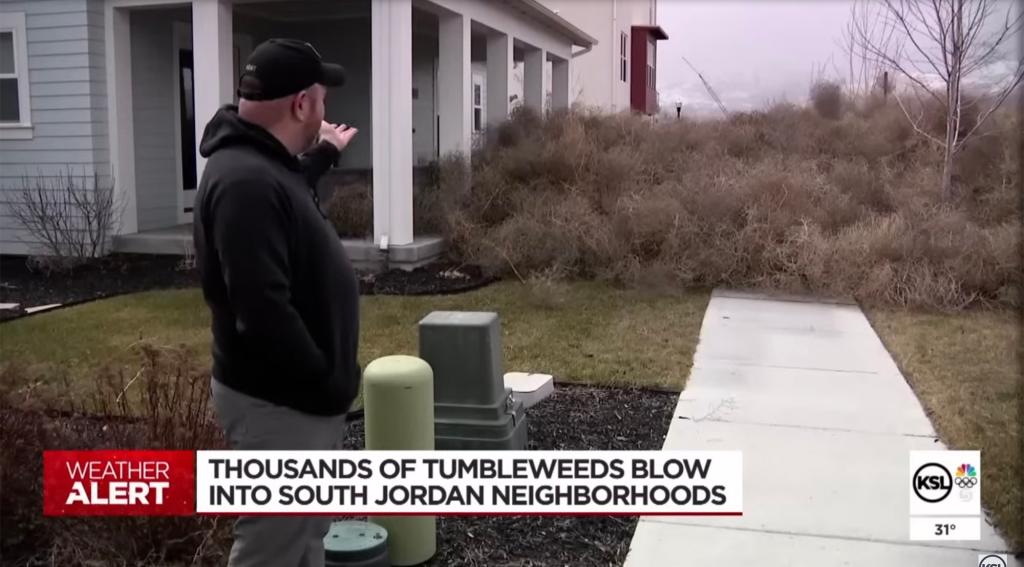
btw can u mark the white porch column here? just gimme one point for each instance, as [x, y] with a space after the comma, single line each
[534, 82]
[121, 128]
[391, 57]
[454, 80]
[212, 44]
[499, 74]
[559, 84]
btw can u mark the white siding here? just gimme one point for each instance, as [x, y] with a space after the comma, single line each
[595, 76]
[591, 75]
[68, 101]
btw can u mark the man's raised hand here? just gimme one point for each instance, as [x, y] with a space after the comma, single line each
[338, 134]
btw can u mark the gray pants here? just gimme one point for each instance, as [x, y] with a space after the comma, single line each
[253, 424]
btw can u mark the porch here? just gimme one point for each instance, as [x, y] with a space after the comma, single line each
[364, 254]
[424, 78]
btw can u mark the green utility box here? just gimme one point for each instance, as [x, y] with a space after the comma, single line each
[472, 407]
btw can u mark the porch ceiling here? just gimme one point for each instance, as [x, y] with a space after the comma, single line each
[304, 10]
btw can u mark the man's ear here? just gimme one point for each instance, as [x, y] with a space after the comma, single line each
[301, 106]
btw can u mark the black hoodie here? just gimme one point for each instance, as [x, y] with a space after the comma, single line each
[283, 295]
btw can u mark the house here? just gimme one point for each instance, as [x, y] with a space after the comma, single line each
[619, 72]
[123, 88]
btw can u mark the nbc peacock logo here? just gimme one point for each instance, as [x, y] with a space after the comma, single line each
[966, 476]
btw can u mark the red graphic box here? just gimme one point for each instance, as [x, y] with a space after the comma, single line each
[119, 483]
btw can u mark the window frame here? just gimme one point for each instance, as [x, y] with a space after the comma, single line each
[14, 22]
[624, 57]
[650, 64]
[477, 117]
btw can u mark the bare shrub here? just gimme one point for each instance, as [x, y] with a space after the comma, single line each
[827, 99]
[163, 404]
[866, 186]
[71, 215]
[350, 210]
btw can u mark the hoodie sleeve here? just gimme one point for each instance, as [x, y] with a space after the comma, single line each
[317, 161]
[251, 236]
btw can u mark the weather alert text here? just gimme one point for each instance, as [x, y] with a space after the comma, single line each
[118, 483]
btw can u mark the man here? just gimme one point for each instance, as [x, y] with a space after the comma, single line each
[282, 293]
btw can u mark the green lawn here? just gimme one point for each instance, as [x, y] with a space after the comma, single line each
[965, 369]
[597, 334]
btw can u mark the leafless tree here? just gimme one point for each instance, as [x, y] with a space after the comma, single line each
[940, 43]
[71, 215]
[865, 72]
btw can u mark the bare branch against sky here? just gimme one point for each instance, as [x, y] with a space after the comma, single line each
[756, 51]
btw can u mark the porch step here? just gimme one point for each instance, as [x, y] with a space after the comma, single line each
[364, 254]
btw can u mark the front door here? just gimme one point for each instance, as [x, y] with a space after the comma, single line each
[184, 111]
[424, 109]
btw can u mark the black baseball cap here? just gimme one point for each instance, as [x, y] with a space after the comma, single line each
[281, 67]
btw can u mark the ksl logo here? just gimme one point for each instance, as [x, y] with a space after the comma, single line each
[992, 560]
[932, 482]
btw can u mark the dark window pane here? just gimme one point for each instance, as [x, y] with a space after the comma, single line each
[9, 111]
[476, 94]
[188, 120]
[476, 119]
[6, 52]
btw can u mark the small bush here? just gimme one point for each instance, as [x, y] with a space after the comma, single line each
[71, 215]
[827, 99]
[350, 210]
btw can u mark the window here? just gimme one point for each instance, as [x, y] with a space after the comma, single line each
[650, 64]
[187, 115]
[14, 98]
[623, 57]
[478, 106]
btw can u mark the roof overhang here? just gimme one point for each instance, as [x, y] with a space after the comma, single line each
[655, 31]
[538, 11]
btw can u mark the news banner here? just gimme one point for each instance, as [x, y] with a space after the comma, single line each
[383, 483]
[944, 486]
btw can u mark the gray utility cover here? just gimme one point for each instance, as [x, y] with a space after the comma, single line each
[472, 407]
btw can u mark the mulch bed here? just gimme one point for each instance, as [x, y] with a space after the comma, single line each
[130, 273]
[439, 278]
[573, 418]
[109, 276]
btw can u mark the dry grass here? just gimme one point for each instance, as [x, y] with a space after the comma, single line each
[965, 369]
[781, 199]
[580, 332]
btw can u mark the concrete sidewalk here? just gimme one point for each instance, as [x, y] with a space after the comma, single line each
[825, 421]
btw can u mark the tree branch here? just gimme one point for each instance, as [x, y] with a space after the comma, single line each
[914, 123]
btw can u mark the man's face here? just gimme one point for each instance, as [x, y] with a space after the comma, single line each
[308, 109]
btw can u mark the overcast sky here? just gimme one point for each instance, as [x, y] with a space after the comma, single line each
[750, 51]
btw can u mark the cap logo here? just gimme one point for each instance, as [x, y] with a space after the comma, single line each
[250, 67]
